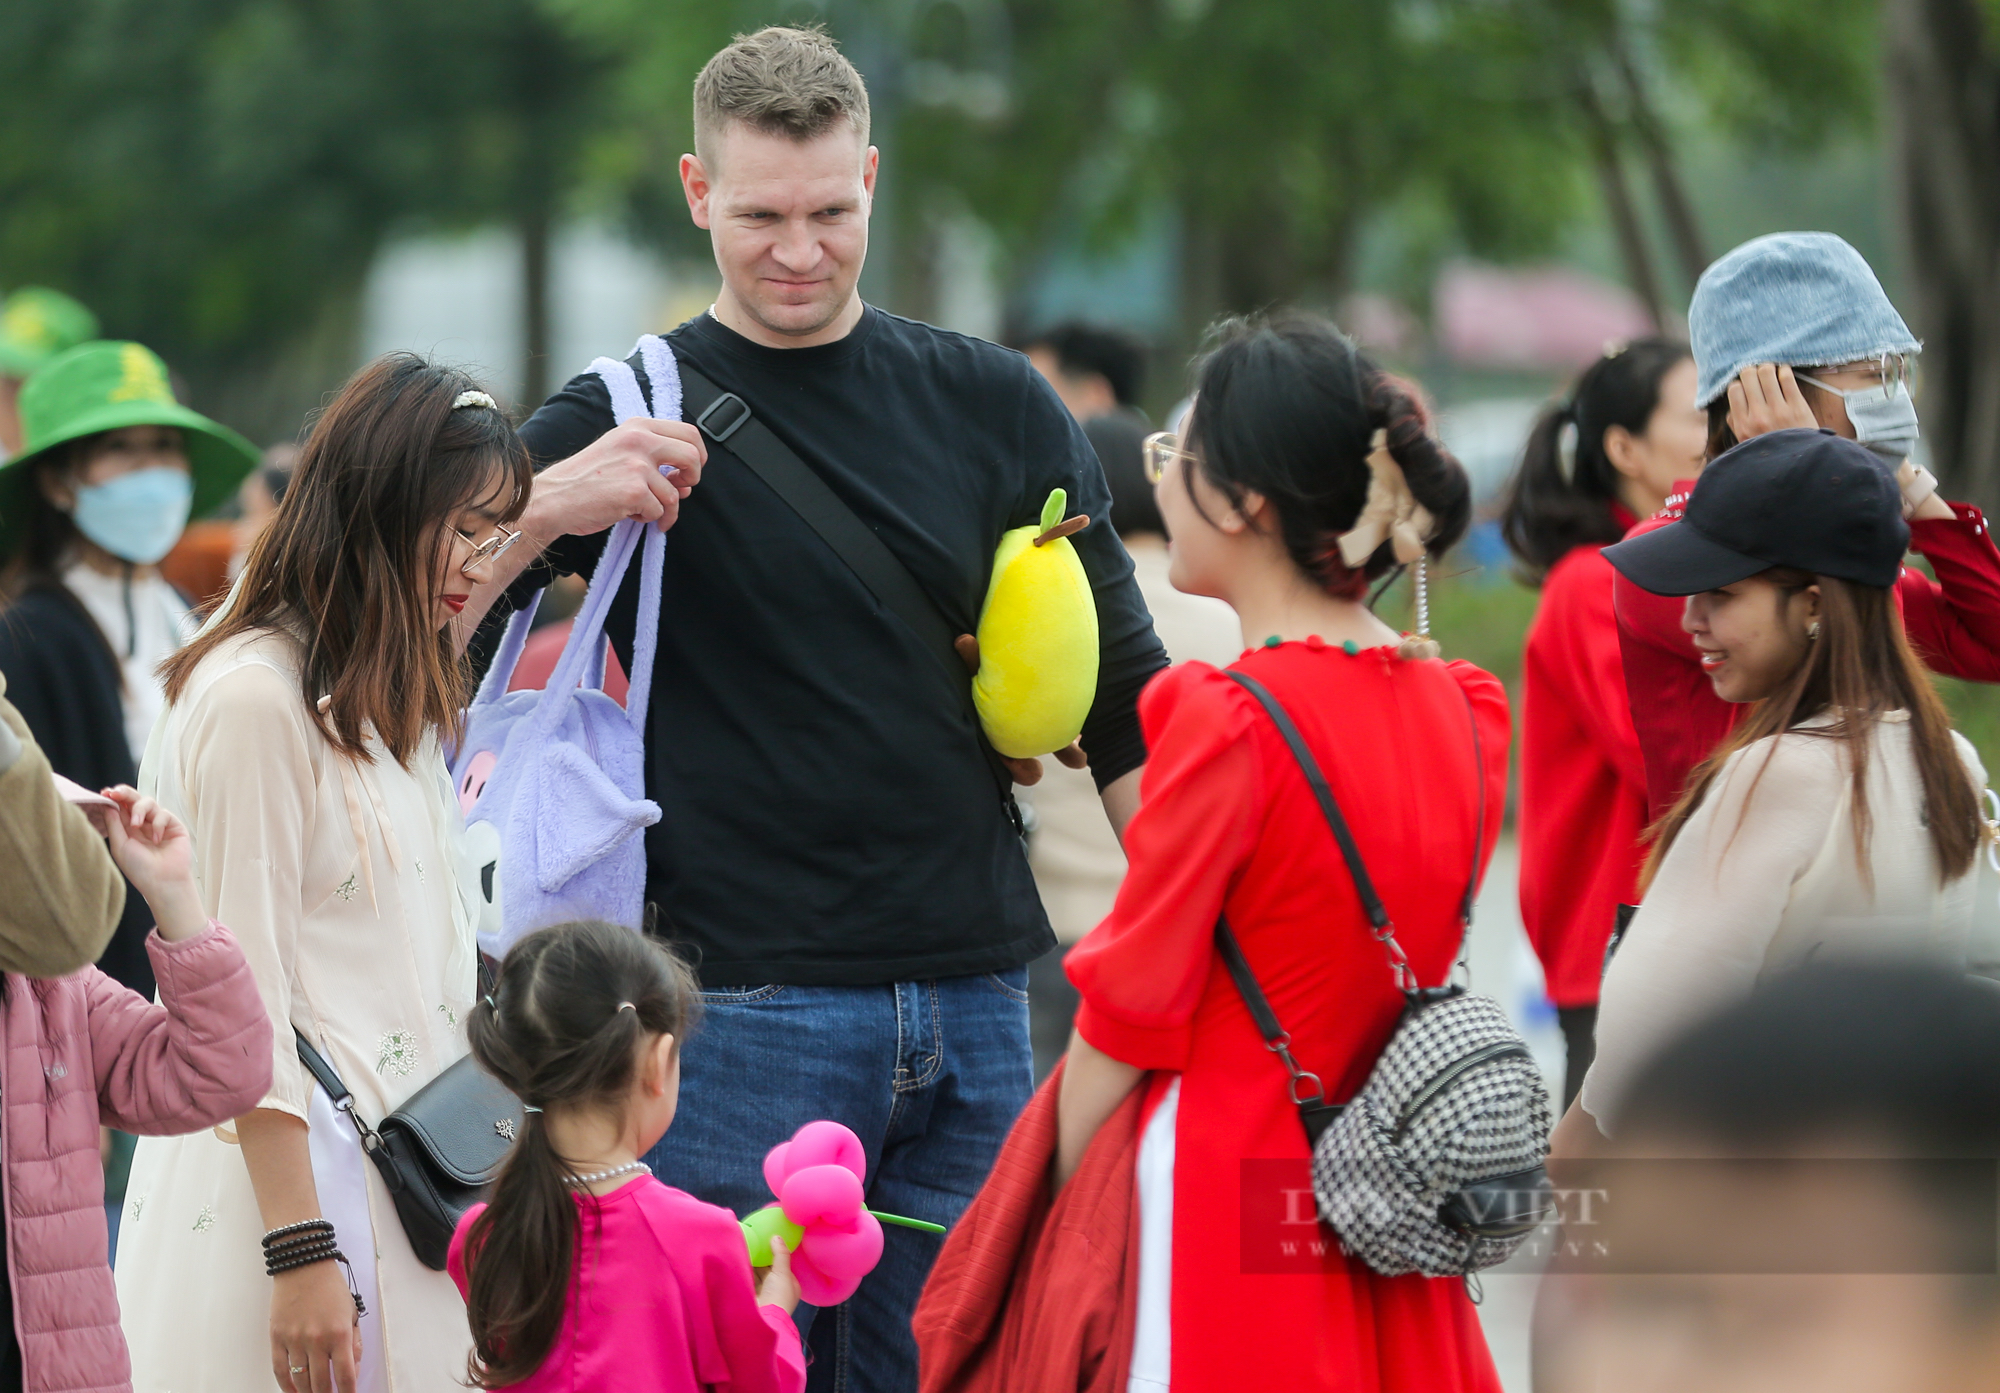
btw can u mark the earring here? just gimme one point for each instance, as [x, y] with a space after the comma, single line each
[1812, 631]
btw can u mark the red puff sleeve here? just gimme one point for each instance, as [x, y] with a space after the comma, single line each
[1954, 621]
[1141, 972]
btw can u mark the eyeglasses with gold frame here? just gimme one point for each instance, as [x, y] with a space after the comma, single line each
[1160, 449]
[489, 550]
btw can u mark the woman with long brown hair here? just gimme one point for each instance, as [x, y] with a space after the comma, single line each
[1841, 816]
[301, 746]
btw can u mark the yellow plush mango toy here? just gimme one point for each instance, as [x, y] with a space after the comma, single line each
[1037, 639]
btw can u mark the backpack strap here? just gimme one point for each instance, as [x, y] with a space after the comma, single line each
[1307, 1093]
[1384, 930]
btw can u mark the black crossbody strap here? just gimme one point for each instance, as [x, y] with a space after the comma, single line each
[727, 421]
[321, 1068]
[731, 426]
[318, 1066]
[1364, 886]
[1305, 1086]
[1231, 953]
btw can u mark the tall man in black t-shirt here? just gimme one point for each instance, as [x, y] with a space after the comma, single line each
[835, 851]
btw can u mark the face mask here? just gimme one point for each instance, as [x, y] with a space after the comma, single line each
[1886, 422]
[137, 517]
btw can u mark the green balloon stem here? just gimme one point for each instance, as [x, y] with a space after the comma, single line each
[923, 1224]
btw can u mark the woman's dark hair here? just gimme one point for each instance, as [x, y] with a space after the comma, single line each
[556, 1032]
[1557, 505]
[46, 536]
[1859, 668]
[344, 567]
[1286, 406]
[1721, 439]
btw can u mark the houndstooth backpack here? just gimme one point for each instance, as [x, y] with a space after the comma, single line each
[1435, 1166]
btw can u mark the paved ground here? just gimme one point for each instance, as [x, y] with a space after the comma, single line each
[1503, 966]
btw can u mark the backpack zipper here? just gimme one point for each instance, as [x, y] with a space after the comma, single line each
[1438, 1084]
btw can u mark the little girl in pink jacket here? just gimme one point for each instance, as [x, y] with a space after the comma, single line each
[81, 1051]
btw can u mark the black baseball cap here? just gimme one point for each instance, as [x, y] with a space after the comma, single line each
[1804, 498]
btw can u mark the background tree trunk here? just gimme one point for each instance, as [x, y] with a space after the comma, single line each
[1675, 206]
[1943, 85]
[1624, 212]
[537, 231]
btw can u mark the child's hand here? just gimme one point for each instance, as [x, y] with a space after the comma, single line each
[154, 850]
[775, 1284]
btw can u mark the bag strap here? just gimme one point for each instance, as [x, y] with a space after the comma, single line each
[321, 1068]
[730, 425]
[1382, 928]
[583, 654]
[507, 656]
[1305, 1087]
[726, 419]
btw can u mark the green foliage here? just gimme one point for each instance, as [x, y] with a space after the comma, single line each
[1975, 714]
[210, 174]
[1775, 70]
[1274, 126]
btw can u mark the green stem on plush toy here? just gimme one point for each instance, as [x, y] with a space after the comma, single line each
[1053, 525]
[923, 1224]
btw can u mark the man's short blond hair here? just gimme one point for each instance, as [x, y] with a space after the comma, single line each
[791, 82]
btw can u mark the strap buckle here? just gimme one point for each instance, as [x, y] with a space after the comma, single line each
[1281, 1045]
[724, 416]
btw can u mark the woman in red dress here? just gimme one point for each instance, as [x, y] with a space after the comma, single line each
[1598, 461]
[1239, 1286]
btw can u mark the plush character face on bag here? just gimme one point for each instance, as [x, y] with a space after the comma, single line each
[557, 779]
[482, 841]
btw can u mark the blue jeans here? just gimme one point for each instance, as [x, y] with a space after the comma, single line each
[930, 1075]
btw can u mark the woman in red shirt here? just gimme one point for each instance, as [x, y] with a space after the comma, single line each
[1595, 463]
[1239, 1286]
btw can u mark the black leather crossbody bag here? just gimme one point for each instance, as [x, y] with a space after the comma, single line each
[438, 1152]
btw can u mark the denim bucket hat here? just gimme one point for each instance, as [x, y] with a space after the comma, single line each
[1803, 298]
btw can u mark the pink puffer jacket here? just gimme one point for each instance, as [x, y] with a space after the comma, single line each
[80, 1050]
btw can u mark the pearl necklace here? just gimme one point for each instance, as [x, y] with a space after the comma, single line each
[580, 1181]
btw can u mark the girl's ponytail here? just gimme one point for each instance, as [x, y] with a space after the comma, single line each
[1562, 494]
[561, 1029]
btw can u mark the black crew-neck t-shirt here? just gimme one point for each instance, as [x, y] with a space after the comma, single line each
[828, 815]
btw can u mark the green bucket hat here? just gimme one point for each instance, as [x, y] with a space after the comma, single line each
[36, 324]
[103, 386]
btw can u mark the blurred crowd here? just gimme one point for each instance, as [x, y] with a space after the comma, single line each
[498, 1018]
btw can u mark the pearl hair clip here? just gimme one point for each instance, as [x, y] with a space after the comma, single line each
[466, 399]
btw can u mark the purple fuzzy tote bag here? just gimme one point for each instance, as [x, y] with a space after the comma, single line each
[552, 783]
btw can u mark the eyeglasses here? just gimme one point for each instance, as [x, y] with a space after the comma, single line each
[1160, 449]
[488, 550]
[1890, 371]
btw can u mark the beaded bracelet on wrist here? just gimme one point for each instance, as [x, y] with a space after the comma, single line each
[300, 1227]
[312, 1254]
[309, 1260]
[298, 1240]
